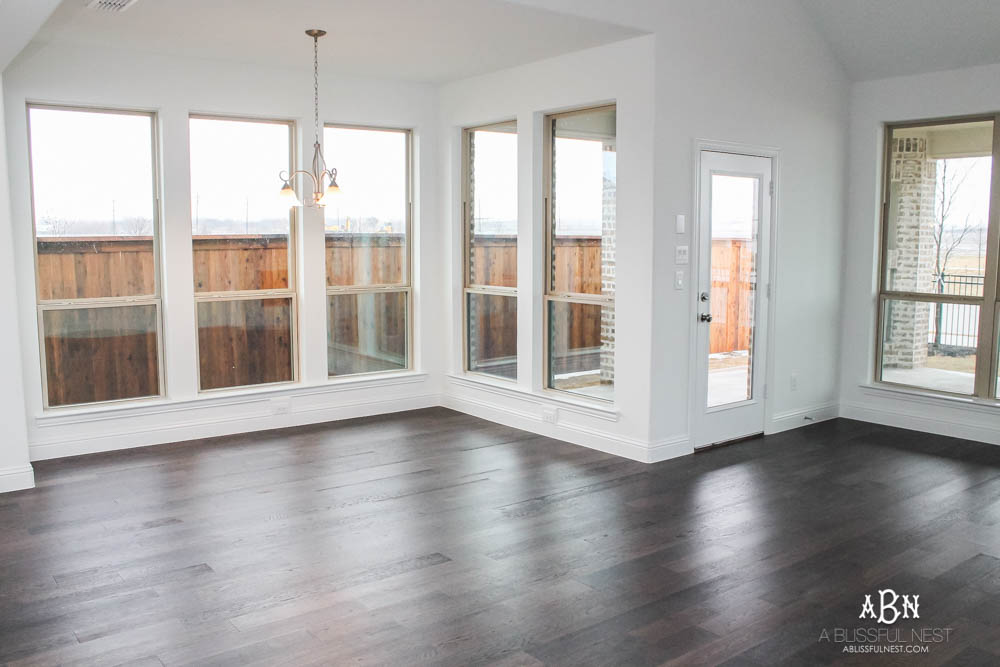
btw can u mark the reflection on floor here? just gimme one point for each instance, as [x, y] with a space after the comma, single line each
[728, 378]
[939, 379]
[435, 538]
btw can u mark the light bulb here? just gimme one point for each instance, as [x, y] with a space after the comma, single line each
[288, 194]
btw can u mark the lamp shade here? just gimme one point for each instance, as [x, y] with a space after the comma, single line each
[288, 194]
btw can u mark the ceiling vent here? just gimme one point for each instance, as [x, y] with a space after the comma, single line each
[110, 5]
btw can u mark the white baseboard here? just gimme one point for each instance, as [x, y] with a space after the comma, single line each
[232, 424]
[670, 448]
[786, 421]
[17, 478]
[916, 415]
[609, 443]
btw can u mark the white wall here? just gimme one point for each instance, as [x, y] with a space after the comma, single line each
[15, 470]
[174, 87]
[953, 93]
[757, 74]
[623, 73]
[749, 73]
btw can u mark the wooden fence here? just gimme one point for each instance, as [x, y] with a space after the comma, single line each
[732, 298]
[120, 266]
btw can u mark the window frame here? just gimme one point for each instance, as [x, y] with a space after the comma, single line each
[468, 287]
[154, 299]
[290, 292]
[549, 295]
[405, 286]
[988, 335]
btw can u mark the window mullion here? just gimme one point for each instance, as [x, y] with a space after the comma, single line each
[986, 353]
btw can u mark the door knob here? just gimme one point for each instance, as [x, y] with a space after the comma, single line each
[705, 317]
[703, 296]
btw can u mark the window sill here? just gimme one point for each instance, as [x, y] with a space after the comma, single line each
[597, 409]
[144, 407]
[914, 395]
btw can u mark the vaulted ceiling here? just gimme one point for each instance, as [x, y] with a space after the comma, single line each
[413, 40]
[876, 39]
[441, 40]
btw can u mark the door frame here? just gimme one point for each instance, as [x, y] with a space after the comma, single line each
[751, 150]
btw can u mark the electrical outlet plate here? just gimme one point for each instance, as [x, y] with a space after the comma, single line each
[550, 414]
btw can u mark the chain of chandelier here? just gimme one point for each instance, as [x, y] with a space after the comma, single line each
[322, 178]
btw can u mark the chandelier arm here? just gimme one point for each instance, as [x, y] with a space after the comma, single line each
[289, 176]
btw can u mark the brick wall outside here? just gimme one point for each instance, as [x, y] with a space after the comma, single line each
[910, 252]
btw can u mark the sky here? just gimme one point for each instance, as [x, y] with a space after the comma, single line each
[92, 172]
[734, 206]
[92, 167]
[371, 172]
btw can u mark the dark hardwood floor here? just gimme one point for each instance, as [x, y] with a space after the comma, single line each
[432, 537]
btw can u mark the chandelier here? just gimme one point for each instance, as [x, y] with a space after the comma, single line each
[319, 172]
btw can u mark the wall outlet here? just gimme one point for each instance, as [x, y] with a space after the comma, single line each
[549, 414]
[682, 254]
[793, 382]
[281, 405]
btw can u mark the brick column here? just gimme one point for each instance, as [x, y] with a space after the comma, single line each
[608, 224]
[910, 251]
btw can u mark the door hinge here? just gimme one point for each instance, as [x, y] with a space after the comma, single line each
[770, 188]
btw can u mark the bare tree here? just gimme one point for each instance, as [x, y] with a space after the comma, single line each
[948, 238]
[137, 226]
[55, 226]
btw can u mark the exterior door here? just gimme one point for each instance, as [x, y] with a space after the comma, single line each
[733, 240]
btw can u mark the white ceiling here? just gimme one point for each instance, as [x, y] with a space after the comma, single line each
[876, 39]
[413, 40]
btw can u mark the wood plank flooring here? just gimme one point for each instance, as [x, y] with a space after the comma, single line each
[434, 538]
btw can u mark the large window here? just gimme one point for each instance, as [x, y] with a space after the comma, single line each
[581, 181]
[490, 236]
[93, 176]
[243, 244]
[368, 250]
[937, 302]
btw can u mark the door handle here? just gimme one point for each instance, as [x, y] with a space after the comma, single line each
[705, 317]
[703, 297]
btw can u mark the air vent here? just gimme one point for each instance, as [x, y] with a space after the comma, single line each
[110, 5]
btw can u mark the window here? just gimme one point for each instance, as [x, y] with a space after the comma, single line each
[368, 251]
[490, 236]
[243, 244]
[581, 181]
[93, 176]
[937, 301]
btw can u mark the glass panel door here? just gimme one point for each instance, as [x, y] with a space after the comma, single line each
[735, 218]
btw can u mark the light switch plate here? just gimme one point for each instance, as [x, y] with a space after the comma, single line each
[681, 226]
[681, 254]
[679, 279]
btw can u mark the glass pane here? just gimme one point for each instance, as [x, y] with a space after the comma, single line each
[244, 342]
[930, 345]
[492, 334]
[366, 222]
[493, 206]
[239, 222]
[100, 354]
[92, 180]
[939, 199]
[584, 183]
[367, 333]
[734, 210]
[582, 348]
